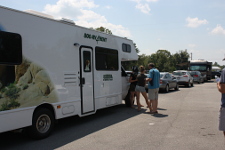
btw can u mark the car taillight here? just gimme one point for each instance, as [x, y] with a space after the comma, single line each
[195, 75]
[160, 81]
[185, 76]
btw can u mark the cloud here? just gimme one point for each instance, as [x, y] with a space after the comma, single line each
[143, 8]
[195, 22]
[68, 8]
[218, 30]
[108, 7]
[143, 5]
[81, 12]
[151, 0]
[191, 45]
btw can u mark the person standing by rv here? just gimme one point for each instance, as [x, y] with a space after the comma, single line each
[153, 88]
[140, 88]
[133, 83]
[221, 89]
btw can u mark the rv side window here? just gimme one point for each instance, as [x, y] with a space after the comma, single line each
[106, 59]
[126, 48]
[10, 48]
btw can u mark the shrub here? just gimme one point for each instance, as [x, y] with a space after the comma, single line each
[12, 91]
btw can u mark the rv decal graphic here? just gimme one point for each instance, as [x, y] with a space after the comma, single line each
[95, 37]
[107, 77]
[25, 85]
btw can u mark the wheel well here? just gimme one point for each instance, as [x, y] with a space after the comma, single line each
[47, 106]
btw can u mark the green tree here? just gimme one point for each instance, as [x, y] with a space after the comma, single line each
[143, 60]
[136, 48]
[180, 59]
[162, 60]
[103, 29]
[216, 64]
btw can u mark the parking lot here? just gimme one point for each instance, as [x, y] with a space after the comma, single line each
[187, 120]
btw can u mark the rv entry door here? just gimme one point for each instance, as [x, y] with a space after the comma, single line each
[86, 80]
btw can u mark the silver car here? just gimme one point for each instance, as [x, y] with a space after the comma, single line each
[183, 77]
[197, 76]
[167, 82]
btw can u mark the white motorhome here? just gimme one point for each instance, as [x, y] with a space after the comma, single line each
[52, 69]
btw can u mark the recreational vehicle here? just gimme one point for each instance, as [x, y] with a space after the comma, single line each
[203, 66]
[52, 69]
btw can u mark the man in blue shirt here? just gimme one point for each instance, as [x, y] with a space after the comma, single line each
[153, 88]
[221, 88]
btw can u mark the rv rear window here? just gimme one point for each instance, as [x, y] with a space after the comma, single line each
[10, 48]
[126, 48]
[106, 59]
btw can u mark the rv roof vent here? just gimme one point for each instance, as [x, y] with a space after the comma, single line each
[39, 14]
[67, 21]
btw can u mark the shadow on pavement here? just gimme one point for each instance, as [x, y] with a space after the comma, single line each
[69, 129]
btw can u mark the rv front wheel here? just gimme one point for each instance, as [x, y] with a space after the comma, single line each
[42, 124]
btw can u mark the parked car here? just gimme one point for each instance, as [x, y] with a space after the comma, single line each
[215, 74]
[197, 76]
[183, 77]
[167, 82]
[128, 73]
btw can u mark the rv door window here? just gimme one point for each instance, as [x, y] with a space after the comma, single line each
[87, 61]
[106, 59]
[10, 48]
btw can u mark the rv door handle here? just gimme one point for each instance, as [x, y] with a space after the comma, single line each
[83, 80]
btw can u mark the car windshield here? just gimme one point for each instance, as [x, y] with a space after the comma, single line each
[161, 75]
[198, 67]
[177, 73]
[193, 73]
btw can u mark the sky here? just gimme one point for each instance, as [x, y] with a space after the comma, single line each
[197, 26]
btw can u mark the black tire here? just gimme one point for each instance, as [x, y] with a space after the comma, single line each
[189, 84]
[166, 89]
[42, 124]
[177, 87]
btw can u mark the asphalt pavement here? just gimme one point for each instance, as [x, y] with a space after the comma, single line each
[187, 120]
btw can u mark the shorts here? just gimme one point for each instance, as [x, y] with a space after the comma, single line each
[222, 119]
[140, 88]
[132, 87]
[153, 94]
